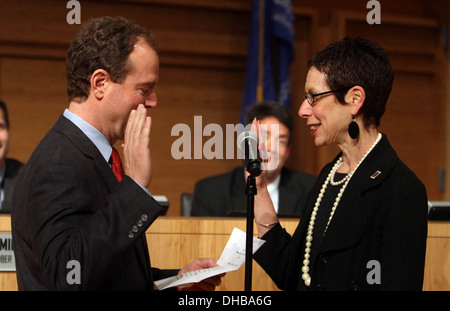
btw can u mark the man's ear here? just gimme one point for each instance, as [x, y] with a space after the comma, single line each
[99, 80]
[355, 97]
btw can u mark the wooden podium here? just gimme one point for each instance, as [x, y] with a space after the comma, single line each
[174, 242]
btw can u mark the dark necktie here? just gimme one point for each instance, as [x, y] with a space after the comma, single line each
[116, 165]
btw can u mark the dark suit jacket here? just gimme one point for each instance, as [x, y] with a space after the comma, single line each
[382, 218]
[12, 171]
[224, 194]
[69, 206]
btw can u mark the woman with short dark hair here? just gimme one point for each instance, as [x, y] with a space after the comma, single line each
[364, 225]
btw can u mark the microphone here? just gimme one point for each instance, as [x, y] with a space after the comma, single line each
[247, 142]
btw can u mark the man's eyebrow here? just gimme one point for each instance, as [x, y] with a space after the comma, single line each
[146, 84]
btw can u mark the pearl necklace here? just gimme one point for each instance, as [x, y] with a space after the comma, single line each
[333, 172]
[309, 236]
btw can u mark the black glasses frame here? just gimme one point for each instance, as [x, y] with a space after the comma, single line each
[310, 97]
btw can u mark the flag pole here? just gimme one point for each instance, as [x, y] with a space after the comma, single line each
[260, 88]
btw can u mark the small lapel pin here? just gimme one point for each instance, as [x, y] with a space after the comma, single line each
[375, 175]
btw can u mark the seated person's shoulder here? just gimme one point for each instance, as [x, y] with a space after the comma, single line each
[14, 162]
[211, 181]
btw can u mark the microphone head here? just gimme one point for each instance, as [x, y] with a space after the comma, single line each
[248, 144]
[251, 136]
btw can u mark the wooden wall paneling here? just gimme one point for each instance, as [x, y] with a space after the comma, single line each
[35, 92]
[304, 153]
[202, 77]
[414, 120]
[445, 86]
[188, 29]
[447, 139]
[208, 96]
[217, 4]
[35, 28]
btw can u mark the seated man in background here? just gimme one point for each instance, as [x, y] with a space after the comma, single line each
[224, 195]
[9, 168]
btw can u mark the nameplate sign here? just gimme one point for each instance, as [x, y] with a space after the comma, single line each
[7, 260]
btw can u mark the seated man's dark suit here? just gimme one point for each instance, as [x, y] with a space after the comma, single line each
[69, 206]
[12, 171]
[224, 195]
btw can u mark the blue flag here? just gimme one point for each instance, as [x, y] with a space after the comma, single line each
[278, 40]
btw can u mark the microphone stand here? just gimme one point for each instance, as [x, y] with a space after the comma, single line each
[250, 191]
[248, 143]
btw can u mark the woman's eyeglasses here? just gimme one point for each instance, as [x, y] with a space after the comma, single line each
[310, 97]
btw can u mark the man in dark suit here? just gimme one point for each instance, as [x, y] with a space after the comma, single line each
[77, 224]
[9, 168]
[224, 195]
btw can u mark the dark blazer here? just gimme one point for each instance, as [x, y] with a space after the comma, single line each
[224, 194]
[381, 218]
[69, 206]
[12, 171]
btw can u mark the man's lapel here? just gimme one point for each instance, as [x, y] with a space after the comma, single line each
[87, 148]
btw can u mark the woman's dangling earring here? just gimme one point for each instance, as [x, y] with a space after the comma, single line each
[353, 129]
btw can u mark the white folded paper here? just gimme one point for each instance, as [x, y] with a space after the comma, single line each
[232, 258]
